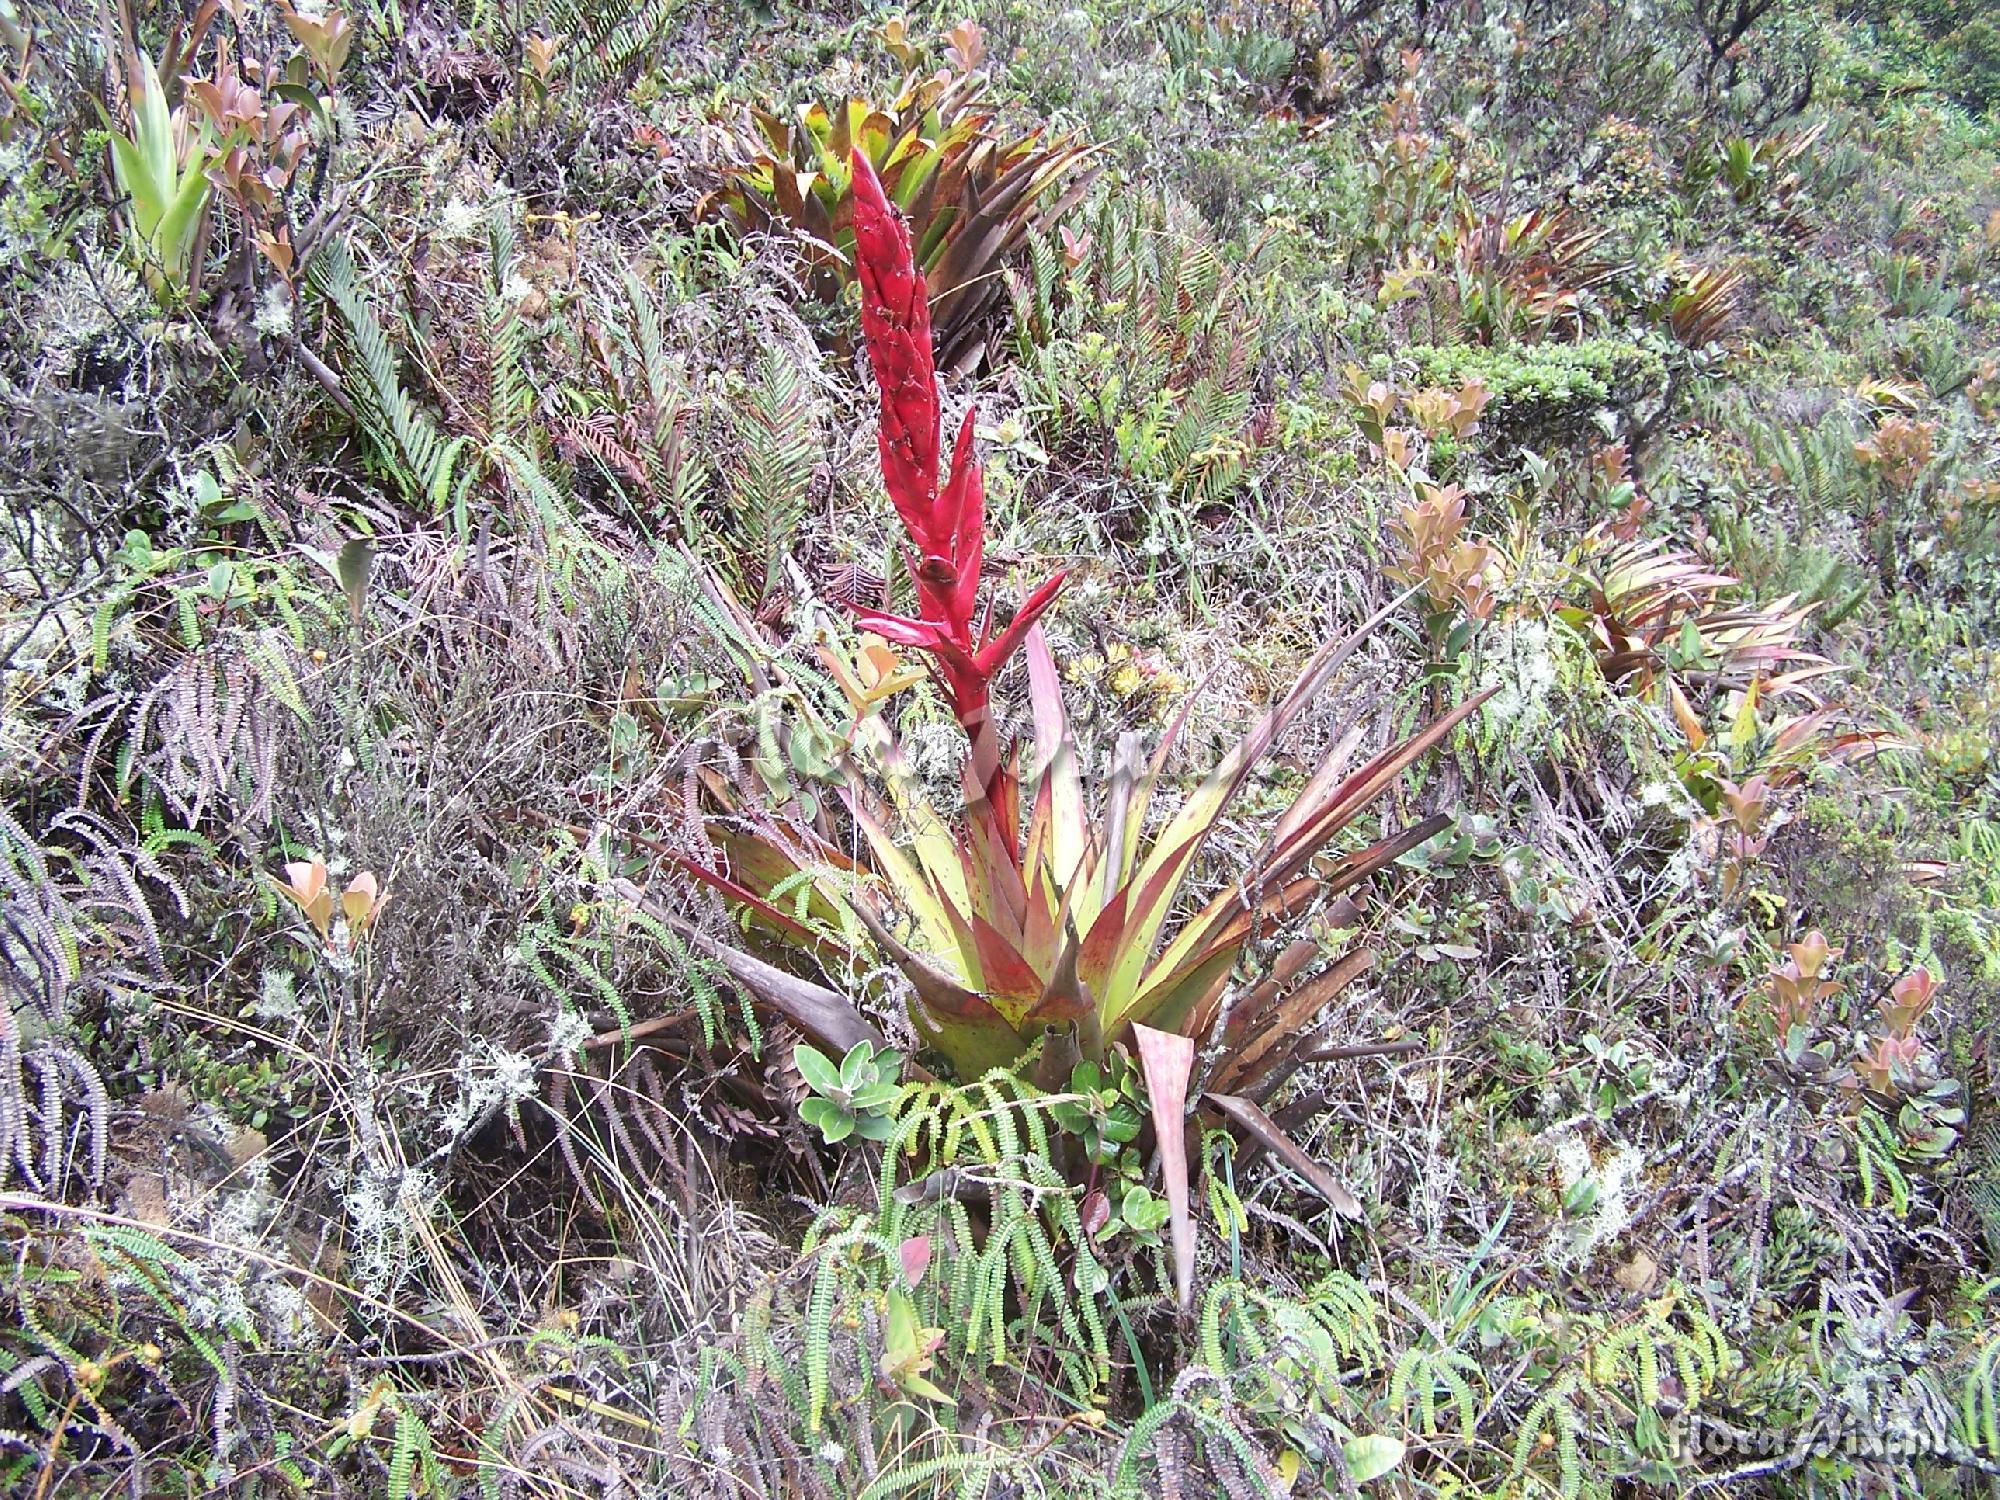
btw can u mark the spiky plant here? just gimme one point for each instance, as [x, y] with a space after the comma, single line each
[971, 193]
[1070, 925]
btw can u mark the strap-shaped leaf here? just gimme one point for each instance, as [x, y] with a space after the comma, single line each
[1167, 1061]
[1265, 1131]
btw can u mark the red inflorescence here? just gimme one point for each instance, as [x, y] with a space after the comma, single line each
[947, 525]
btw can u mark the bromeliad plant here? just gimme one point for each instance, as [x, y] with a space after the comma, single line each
[161, 166]
[972, 194]
[1069, 925]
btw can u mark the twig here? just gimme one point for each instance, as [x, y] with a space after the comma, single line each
[1365, 1049]
[638, 1029]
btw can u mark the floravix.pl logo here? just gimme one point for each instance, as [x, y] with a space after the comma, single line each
[1828, 1434]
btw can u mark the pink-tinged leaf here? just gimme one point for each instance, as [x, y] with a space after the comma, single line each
[1036, 857]
[1094, 1211]
[1176, 1001]
[1147, 784]
[361, 900]
[1147, 911]
[1167, 1061]
[1319, 791]
[896, 628]
[784, 921]
[1350, 870]
[915, 1253]
[993, 879]
[308, 879]
[1368, 783]
[1224, 925]
[1164, 868]
[938, 990]
[1041, 933]
[961, 1023]
[1201, 810]
[1064, 998]
[1012, 985]
[1264, 1130]
[962, 513]
[1055, 769]
[1100, 944]
[994, 654]
[1119, 828]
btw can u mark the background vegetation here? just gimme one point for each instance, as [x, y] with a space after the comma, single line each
[472, 926]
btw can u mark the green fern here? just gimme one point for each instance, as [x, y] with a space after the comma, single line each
[511, 399]
[428, 467]
[1817, 464]
[777, 444]
[1554, 1412]
[411, 1439]
[1875, 1149]
[1421, 1373]
[1979, 1401]
[606, 39]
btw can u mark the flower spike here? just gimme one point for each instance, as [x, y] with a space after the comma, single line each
[946, 522]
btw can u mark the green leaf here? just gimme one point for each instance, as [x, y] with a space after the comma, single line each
[816, 1068]
[857, 1066]
[1122, 1126]
[149, 202]
[1142, 1211]
[1070, 1117]
[875, 1097]
[906, 1348]
[351, 566]
[173, 238]
[305, 98]
[1373, 1456]
[833, 1122]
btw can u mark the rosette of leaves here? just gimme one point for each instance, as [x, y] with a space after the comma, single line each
[856, 1097]
[970, 192]
[1069, 922]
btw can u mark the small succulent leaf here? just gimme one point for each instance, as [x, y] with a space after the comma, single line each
[816, 1068]
[873, 1127]
[874, 1096]
[856, 1068]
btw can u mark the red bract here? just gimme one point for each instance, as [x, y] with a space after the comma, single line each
[946, 523]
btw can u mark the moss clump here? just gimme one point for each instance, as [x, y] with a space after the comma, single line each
[1538, 386]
